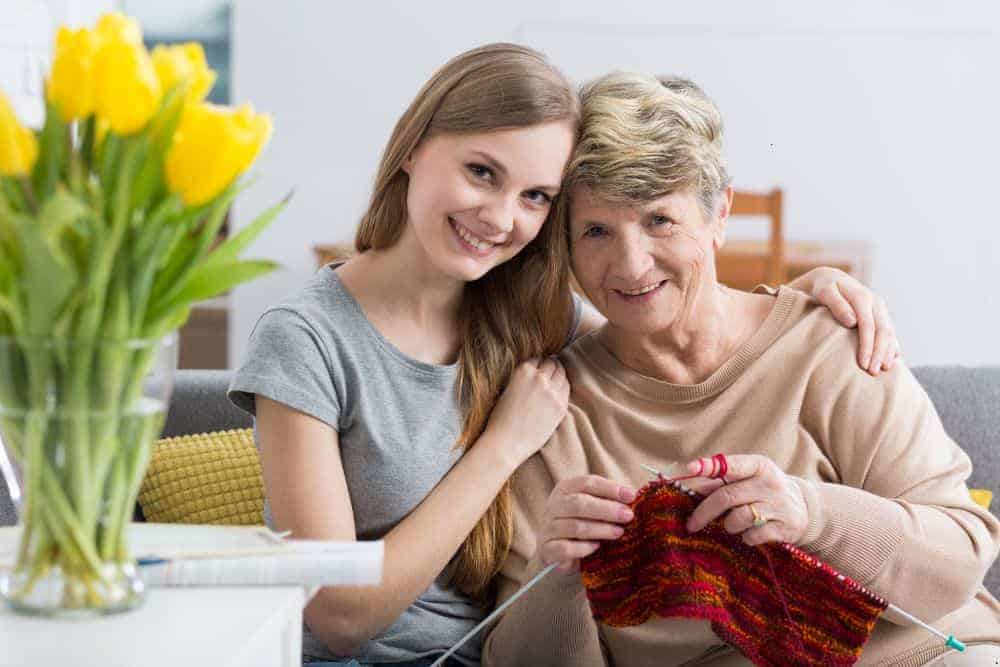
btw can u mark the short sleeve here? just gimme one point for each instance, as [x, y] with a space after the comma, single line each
[286, 362]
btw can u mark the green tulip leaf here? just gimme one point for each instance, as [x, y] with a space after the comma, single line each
[60, 211]
[232, 247]
[47, 276]
[51, 153]
[209, 281]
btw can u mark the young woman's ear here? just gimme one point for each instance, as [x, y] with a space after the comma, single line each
[724, 208]
[407, 165]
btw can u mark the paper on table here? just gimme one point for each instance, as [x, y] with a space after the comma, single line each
[235, 555]
[343, 564]
[170, 540]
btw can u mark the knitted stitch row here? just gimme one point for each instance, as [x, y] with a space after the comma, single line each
[776, 604]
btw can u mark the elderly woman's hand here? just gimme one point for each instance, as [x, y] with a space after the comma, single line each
[853, 304]
[761, 502]
[579, 512]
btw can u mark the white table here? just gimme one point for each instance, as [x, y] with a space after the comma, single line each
[180, 627]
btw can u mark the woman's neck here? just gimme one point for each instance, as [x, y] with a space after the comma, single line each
[403, 293]
[702, 338]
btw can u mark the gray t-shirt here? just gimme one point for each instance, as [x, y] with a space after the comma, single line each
[397, 421]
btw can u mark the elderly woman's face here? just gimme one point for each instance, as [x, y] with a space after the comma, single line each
[643, 265]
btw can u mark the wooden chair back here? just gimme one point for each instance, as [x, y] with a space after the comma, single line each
[770, 205]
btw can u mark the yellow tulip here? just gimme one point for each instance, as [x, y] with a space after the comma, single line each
[184, 64]
[213, 145]
[71, 84]
[18, 145]
[116, 27]
[128, 91]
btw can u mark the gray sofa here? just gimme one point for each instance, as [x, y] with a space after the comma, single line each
[968, 400]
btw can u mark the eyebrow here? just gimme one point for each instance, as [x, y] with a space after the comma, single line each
[551, 190]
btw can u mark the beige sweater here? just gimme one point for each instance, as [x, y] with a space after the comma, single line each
[884, 486]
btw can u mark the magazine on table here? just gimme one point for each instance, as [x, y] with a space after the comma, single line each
[202, 555]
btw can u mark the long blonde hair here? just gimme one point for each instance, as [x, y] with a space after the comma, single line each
[518, 310]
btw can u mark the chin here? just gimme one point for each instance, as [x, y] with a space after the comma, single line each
[466, 271]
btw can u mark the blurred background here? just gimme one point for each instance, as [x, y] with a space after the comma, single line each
[869, 130]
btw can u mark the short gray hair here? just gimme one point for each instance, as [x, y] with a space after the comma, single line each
[643, 137]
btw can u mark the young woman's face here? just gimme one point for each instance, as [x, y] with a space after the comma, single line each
[475, 200]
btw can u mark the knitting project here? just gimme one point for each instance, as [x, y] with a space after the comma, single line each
[774, 603]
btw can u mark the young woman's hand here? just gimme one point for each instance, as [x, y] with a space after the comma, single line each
[853, 304]
[530, 408]
[578, 514]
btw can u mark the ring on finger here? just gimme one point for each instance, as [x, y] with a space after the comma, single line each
[758, 520]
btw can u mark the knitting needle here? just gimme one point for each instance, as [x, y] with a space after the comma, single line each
[670, 479]
[652, 470]
[496, 612]
[949, 640]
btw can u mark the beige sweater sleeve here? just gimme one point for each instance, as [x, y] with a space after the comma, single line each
[551, 624]
[901, 521]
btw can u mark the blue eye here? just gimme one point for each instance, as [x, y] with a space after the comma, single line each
[481, 172]
[594, 232]
[539, 197]
[661, 220]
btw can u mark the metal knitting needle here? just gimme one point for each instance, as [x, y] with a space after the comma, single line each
[652, 470]
[496, 612]
[499, 610]
[949, 640]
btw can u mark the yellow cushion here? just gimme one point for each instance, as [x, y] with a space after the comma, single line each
[211, 478]
[982, 496]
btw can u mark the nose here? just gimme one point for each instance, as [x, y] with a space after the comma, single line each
[498, 213]
[632, 258]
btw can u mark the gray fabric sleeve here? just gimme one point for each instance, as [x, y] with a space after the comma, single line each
[286, 362]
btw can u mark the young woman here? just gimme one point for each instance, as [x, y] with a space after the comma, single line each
[440, 331]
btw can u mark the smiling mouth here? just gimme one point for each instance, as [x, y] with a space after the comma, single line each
[642, 290]
[640, 294]
[479, 245]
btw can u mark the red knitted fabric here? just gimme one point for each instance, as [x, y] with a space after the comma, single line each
[774, 603]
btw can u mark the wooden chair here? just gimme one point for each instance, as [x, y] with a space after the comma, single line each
[744, 264]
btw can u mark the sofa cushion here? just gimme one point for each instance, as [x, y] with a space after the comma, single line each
[982, 496]
[968, 400]
[209, 478]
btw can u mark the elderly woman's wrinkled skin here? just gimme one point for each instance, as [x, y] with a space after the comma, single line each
[666, 246]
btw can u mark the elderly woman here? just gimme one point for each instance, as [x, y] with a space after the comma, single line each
[852, 468]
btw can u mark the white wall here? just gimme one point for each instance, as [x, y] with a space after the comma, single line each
[27, 28]
[879, 121]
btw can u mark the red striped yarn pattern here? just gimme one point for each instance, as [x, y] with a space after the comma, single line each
[776, 604]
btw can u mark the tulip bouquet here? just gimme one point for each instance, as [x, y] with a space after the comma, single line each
[109, 218]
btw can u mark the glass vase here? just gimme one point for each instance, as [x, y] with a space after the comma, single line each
[78, 419]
